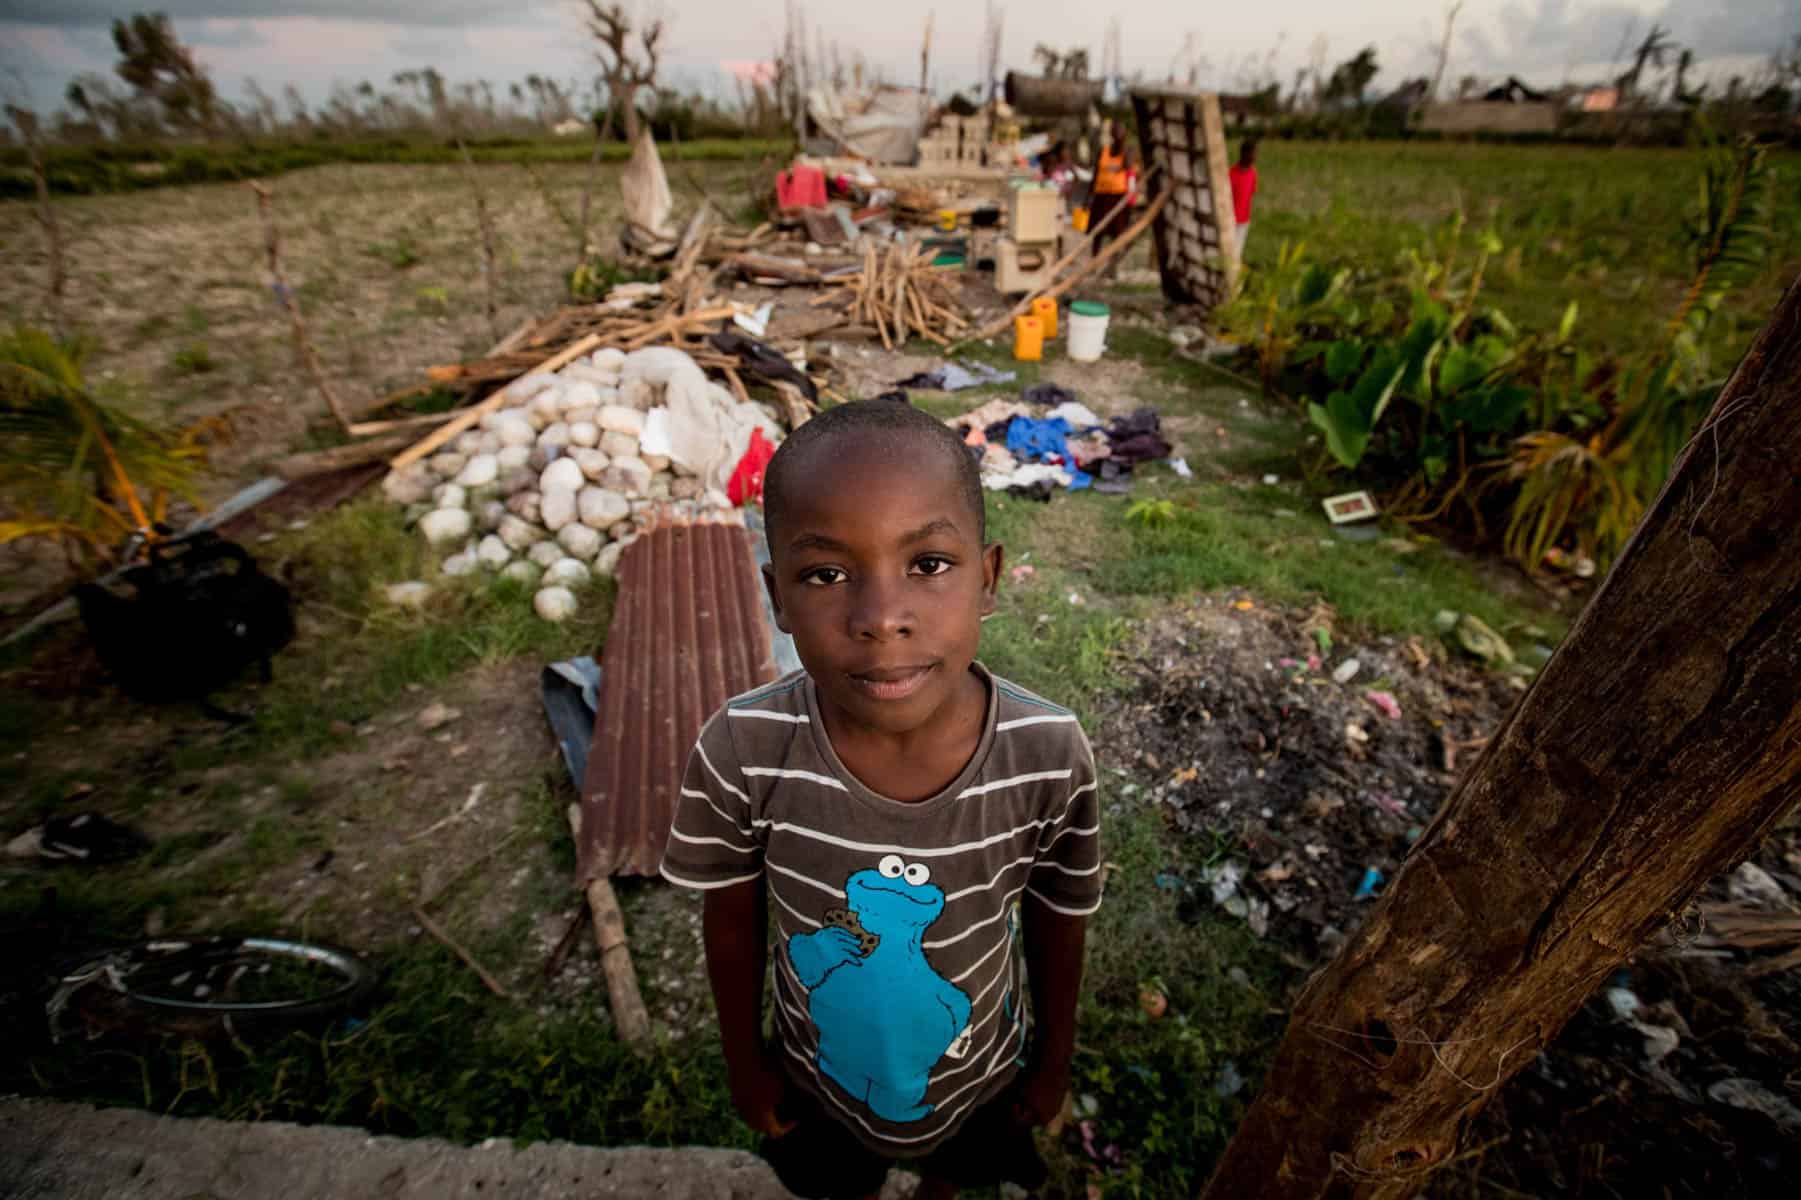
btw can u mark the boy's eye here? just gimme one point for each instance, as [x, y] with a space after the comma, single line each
[931, 565]
[823, 576]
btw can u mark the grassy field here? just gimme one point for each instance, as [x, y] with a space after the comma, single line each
[323, 816]
[1601, 226]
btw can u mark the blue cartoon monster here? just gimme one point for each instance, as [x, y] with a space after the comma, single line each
[885, 1017]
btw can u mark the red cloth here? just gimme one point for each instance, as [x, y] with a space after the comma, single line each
[1244, 186]
[800, 186]
[746, 483]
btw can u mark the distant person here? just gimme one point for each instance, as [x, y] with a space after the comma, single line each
[1110, 189]
[1244, 187]
[889, 804]
[1056, 168]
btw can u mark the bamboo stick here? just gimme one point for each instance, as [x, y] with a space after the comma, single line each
[303, 344]
[474, 413]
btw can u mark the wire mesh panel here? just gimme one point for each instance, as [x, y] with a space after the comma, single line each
[1183, 143]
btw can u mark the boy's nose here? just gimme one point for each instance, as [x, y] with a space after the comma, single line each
[880, 613]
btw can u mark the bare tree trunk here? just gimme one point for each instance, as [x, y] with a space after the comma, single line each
[1444, 54]
[290, 303]
[27, 124]
[485, 223]
[1655, 750]
[606, 128]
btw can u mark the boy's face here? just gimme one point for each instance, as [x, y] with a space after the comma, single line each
[880, 576]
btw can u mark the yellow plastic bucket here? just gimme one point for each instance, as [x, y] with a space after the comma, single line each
[1045, 309]
[1079, 218]
[1028, 339]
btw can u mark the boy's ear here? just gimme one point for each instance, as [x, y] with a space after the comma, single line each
[775, 598]
[993, 554]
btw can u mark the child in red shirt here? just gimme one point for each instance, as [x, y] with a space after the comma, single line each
[1244, 186]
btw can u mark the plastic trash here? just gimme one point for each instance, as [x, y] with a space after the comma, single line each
[1391, 708]
[1371, 887]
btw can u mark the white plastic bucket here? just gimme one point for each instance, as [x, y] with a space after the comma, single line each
[1087, 330]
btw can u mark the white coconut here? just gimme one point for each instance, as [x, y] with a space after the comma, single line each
[583, 433]
[628, 475]
[521, 479]
[570, 572]
[511, 458]
[527, 386]
[479, 471]
[610, 358]
[563, 475]
[580, 394]
[600, 508]
[449, 495]
[554, 434]
[447, 464]
[556, 508]
[410, 485]
[554, 603]
[617, 418]
[636, 393]
[545, 407]
[608, 561]
[490, 442]
[517, 532]
[411, 594]
[579, 540]
[657, 463]
[592, 462]
[463, 562]
[467, 443]
[515, 430]
[619, 445]
[576, 416]
[488, 515]
[522, 571]
[544, 553]
[492, 552]
[443, 526]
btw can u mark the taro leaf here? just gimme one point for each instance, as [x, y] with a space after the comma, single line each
[1460, 369]
[1342, 358]
[1348, 418]
[1489, 410]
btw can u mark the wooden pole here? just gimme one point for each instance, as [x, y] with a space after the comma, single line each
[1657, 747]
[485, 223]
[615, 955]
[290, 303]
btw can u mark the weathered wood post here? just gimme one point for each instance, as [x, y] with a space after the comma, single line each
[1656, 748]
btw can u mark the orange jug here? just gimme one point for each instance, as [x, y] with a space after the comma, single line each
[1045, 309]
[1028, 339]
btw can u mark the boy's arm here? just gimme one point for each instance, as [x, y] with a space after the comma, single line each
[734, 927]
[1053, 944]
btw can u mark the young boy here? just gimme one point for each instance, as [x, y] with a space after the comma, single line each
[1243, 177]
[894, 800]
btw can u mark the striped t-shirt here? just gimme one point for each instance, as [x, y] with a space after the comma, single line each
[898, 986]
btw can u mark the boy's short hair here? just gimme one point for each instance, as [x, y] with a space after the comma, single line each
[891, 420]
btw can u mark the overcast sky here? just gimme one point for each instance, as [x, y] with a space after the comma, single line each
[316, 43]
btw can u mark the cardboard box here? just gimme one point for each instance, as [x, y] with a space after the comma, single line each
[1022, 268]
[1034, 215]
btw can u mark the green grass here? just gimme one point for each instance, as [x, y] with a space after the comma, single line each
[1602, 226]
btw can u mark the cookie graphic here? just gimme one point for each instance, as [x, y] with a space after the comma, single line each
[844, 918]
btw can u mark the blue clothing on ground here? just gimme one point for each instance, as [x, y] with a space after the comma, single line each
[1029, 439]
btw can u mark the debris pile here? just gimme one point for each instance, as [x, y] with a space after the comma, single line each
[561, 474]
[1049, 439]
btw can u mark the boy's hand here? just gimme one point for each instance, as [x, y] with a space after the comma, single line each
[1038, 1096]
[757, 1092]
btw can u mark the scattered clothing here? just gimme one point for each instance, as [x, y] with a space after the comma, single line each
[1137, 438]
[1086, 451]
[800, 186]
[1025, 475]
[1048, 394]
[1031, 439]
[1079, 415]
[85, 838]
[955, 377]
[746, 483]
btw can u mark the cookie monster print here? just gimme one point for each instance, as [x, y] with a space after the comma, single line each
[885, 1017]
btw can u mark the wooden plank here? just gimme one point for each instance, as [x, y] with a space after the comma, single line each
[471, 415]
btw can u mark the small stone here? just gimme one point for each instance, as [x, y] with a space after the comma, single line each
[600, 508]
[521, 571]
[527, 386]
[618, 445]
[619, 418]
[434, 716]
[570, 572]
[517, 532]
[576, 416]
[516, 431]
[411, 594]
[510, 459]
[563, 475]
[622, 529]
[583, 433]
[546, 407]
[445, 525]
[685, 487]
[555, 603]
[489, 443]
[554, 434]
[493, 553]
[447, 464]
[488, 515]
[580, 394]
[524, 479]
[449, 495]
[658, 463]
[593, 463]
[1346, 671]
[463, 562]
[659, 487]
[526, 506]
[410, 485]
[557, 508]
[467, 443]
[628, 475]
[608, 561]
[544, 553]
[610, 359]
[579, 540]
[636, 393]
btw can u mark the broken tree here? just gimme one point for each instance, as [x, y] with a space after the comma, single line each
[1655, 750]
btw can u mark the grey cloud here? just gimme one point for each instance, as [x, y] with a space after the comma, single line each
[1558, 32]
[398, 12]
[227, 35]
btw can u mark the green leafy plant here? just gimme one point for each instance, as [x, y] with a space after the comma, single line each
[192, 359]
[1151, 513]
[75, 470]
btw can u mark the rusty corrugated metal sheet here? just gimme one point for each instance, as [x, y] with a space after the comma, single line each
[687, 635]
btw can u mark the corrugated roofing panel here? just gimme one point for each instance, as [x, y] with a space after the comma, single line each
[687, 634]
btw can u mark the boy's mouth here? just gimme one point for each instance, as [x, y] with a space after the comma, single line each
[892, 683]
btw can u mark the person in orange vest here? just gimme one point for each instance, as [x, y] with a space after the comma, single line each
[1110, 189]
